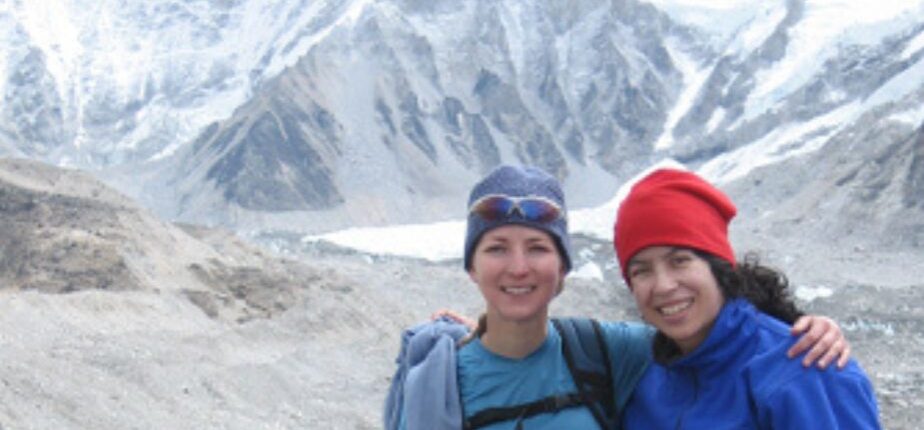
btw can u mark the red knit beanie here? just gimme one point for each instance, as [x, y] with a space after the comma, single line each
[673, 207]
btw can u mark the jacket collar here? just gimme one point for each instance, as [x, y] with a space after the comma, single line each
[730, 333]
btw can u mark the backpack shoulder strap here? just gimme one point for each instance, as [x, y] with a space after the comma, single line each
[587, 356]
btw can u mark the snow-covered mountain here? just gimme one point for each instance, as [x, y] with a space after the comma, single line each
[101, 83]
[406, 108]
[319, 115]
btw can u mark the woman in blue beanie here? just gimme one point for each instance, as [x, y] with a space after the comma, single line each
[512, 372]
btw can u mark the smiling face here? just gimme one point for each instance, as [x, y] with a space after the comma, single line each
[676, 292]
[519, 271]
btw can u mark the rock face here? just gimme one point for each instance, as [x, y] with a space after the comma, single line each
[114, 319]
[63, 232]
[44, 250]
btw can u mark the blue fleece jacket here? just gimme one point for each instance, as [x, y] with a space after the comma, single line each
[740, 378]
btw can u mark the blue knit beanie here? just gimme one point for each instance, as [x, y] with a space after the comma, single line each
[519, 181]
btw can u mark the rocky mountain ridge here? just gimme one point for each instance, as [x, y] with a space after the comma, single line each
[346, 113]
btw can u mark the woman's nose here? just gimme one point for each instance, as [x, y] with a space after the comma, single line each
[518, 263]
[664, 281]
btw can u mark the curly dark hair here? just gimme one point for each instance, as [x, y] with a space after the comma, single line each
[765, 287]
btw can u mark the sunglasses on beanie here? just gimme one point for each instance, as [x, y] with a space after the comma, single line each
[498, 207]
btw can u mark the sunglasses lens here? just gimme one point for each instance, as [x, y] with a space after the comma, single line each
[538, 210]
[493, 208]
[497, 208]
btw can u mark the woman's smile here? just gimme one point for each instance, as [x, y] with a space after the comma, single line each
[519, 291]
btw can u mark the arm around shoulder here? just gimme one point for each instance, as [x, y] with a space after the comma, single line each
[629, 349]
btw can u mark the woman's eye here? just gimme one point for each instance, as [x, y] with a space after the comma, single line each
[494, 249]
[637, 271]
[679, 260]
[540, 249]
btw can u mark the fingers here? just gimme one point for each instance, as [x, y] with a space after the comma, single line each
[837, 348]
[455, 316]
[448, 313]
[801, 325]
[441, 313]
[812, 332]
[799, 347]
[845, 356]
[818, 349]
[824, 351]
[823, 340]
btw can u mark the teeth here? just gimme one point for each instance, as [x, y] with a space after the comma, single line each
[517, 290]
[670, 310]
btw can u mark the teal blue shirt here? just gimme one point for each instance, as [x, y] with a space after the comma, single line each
[488, 380]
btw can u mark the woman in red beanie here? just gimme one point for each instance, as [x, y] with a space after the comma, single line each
[719, 352]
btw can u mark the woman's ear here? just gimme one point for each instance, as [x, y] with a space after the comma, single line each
[561, 283]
